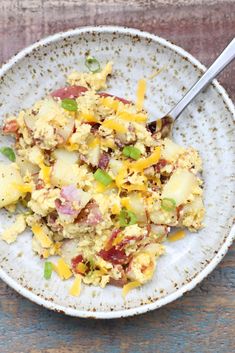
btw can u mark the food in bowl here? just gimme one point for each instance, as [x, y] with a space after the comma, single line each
[101, 190]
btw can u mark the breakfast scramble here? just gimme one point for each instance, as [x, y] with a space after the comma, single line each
[101, 191]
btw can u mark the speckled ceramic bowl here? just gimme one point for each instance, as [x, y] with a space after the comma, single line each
[207, 125]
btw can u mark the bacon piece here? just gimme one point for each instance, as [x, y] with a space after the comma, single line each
[103, 161]
[161, 164]
[75, 261]
[115, 256]
[10, 127]
[119, 282]
[40, 184]
[114, 234]
[178, 210]
[69, 92]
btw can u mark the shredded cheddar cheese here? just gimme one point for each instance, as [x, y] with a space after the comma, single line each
[110, 102]
[180, 234]
[138, 118]
[107, 143]
[23, 188]
[46, 172]
[159, 124]
[115, 209]
[144, 163]
[156, 73]
[125, 201]
[113, 125]
[118, 239]
[94, 142]
[71, 146]
[128, 287]
[81, 267]
[41, 236]
[62, 269]
[88, 118]
[121, 176]
[136, 187]
[76, 286]
[141, 90]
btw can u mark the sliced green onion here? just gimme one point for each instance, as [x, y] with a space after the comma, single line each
[103, 177]
[9, 153]
[48, 269]
[91, 263]
[168, 204]
[127, 218]
[132, 152]
[69, 104]
[92, 64]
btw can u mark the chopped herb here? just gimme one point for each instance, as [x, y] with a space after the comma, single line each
[132, 152]
[168, 204]
[127, 218]
[48, 269]
[69, 104]
[9, 153]
[103, 177]
[91, 263]
[92, 64]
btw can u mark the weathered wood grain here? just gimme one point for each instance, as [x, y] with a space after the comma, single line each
[203, 320]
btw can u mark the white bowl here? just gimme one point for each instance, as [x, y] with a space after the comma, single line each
[207, 124]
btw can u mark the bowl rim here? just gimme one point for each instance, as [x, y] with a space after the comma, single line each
[229, 239]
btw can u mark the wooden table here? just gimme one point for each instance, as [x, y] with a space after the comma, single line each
[203, 321]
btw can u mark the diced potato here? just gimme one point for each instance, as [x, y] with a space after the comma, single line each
[69, 157]
[69, 250]
[29, 122]
[179, 186]
[171, 150]
[50, 110]
[9, 175]
[65, 170]
[194, 206]
[137, 206]
[66, 131]
[115, 166]
[64, 173]
[26, 166]
[93, 155]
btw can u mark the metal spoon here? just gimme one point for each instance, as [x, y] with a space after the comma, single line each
[166, 122]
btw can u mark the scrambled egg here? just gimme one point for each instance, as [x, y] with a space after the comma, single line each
[9, 235]
[102, 190]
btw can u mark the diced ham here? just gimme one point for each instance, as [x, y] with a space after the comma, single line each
[65, 208]
[10, 127]
[70, 193]
[94, 217]
[90, 215]
[69, 92]
[103, 161]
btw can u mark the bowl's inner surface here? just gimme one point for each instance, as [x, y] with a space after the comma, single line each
[206, 125]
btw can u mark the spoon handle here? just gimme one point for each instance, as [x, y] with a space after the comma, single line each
[219, 64]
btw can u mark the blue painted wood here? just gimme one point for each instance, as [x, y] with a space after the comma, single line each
[203, 321]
